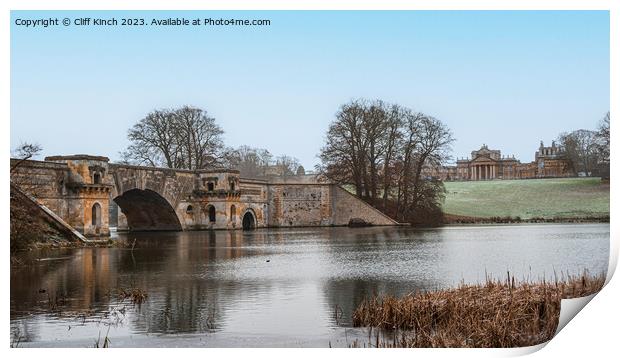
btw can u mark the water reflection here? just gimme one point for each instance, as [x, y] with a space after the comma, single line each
[239, 288]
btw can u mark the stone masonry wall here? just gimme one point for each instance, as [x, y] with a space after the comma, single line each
[300, 205]
[347, 206]
[44, 181]
[318, 205]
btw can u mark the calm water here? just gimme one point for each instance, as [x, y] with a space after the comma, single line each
[293, 287]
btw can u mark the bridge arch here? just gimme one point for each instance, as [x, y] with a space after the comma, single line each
[248, 222]
[147, 210]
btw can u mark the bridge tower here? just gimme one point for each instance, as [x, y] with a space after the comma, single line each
[215, 200]
[87, 187]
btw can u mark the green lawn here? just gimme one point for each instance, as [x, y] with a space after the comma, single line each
[547, 198]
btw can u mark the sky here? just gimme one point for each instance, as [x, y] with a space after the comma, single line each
[508, 79]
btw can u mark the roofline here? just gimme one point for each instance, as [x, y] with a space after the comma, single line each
[76, 157]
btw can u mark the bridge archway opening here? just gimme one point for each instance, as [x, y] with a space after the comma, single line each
[249, 221]
[146, 210]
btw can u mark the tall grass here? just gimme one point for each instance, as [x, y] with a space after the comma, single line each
[494, 314]
[136, 295]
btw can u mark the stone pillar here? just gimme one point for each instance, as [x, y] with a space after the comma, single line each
[486, 174]
[122, 221]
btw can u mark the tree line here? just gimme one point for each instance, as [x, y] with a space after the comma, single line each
[189, 138]
[587, 151]
[380, 150]
[377, 148]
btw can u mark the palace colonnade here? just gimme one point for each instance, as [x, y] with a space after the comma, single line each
[483, 171]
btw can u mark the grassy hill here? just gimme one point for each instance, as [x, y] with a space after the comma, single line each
[533, 198]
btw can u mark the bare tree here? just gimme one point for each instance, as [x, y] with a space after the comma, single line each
[251, 162]
[412, 137]
[391, 142]
[257, 162]
[26, 225]
[374, 146]
[343, 156]
[199, 138]
[433, 149]
[184, 138]
[581, 148]
[24, 180]
[603, 135]
[375, 121]
[24, 152]
[287, 164]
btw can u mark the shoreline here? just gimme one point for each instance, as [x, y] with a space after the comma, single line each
[451, 219]
[112, 242]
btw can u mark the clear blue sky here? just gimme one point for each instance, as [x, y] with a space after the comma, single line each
[507, 79]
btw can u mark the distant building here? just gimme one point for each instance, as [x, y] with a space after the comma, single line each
[489, 164]
[552, 162]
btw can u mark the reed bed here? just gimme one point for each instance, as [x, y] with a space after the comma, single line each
[497, 313]
[136, 295]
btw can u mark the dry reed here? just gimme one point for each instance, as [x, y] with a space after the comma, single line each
[494, 314]
[136, 295]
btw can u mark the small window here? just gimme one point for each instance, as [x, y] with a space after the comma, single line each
[190, 209]
[97, 178]
[233, 213]
[210, 186]
[96, 215]
[232, 186]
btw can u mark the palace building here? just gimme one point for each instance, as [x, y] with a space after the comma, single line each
[489, 164]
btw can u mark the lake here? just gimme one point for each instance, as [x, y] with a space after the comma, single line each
[271, 288]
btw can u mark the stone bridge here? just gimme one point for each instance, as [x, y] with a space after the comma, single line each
[89, 193]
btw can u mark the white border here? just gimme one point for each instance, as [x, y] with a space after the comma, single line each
[592, 332]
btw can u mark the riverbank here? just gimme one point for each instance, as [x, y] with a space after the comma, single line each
[32, 228]
[450, 219]
[18, 257]
[494, 314]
